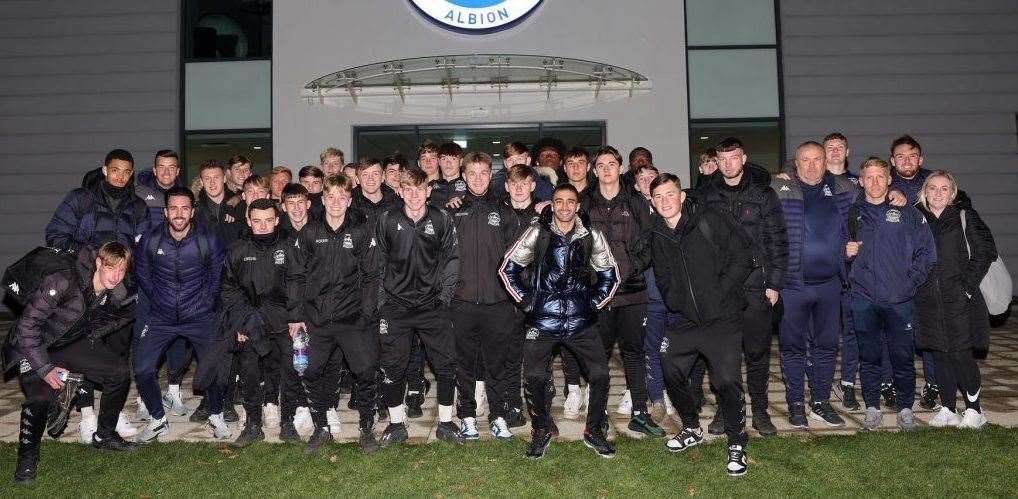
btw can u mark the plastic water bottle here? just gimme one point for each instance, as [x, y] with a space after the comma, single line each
[300, 352]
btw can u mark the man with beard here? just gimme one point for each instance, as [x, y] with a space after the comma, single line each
[178, 268]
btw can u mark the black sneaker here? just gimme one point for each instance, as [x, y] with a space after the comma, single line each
[539, 442]
[762, 423]
[288, 433]
[737, 465]
[515, 418]
[823, 412]
[60, 409]
[395, 433]
[383, 413]
[230, 413]
[595, 440]
[797, 415]
[449, 432]
[848, 400]
[201, 413]
[367, 441]
[112, 442]
[686, 438]
[252, 433]
[890, 398]
[641, 422]
[415, 401]
[319, 439]
[717, 425]
[24, 472]
[930, 398]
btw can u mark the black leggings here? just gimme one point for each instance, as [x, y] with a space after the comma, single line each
[957, 370]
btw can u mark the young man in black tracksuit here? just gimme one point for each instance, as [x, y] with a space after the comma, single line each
[563, 257]
[622, 215]
[254, 300]
[701, 260]
[420, 268]
[756, 208]
[483, 317]
[333, 293]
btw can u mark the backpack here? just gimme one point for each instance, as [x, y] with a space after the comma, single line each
[23, 277]
[996, 286]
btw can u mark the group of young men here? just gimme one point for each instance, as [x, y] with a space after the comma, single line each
[371, 269]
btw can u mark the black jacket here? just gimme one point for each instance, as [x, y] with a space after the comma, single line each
[371, 209]
[420, 260]
[213, 215]
[96, 213]
[950, 308]
[756, 173]
[700, 265]
[757, 209]
[333, 276]
[63, 309]
[557, 294]
[485, 228]
[623, 221]
[254, 287]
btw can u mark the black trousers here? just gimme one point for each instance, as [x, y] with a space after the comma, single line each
[328, 347]
[719, 343]
[588, 348]
[415, 366]
[625, 326]
[271, 379]
[514, 364]
[396, 329]
[956, 371]
[482, 333]
[757, 327]
[98, 364]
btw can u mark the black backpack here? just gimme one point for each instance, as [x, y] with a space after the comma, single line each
[23, 277]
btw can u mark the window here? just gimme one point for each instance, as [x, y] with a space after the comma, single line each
[761, 139]
[227, 29]
[220, 146]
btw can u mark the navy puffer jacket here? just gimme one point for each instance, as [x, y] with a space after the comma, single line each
[178, 280]
[90, 216]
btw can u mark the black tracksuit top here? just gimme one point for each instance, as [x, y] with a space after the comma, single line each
[420, 260]
[486, 228]
[334, 274]
[254, 289]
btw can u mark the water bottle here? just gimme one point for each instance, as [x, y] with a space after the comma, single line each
[300, 352]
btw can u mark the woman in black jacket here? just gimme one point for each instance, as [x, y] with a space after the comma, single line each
[953, 320]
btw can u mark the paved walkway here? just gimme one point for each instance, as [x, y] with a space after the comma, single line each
[999, 402]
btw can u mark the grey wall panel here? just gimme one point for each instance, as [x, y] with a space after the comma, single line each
[78, 78]
[944, 71]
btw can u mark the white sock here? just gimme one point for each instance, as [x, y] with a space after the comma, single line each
[87, 412]
[574, 389]
[397, 414]
[173, 391]
[444, 413]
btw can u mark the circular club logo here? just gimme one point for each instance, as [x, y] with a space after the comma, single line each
[476, 16]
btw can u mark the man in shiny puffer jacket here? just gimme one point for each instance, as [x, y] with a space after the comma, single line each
[561, 304]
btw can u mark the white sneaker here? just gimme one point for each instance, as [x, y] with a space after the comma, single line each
[141, 413]
[500, 430]
[218, 426]
[972, 420]
[153, 430]
[481, 398]
[174, 404]
[88, 425]
[332, 416]
[302, 419]
[571, 407]
[270, 415]
[468, 428]
[946, 417]
[124, 427]
[626, 404]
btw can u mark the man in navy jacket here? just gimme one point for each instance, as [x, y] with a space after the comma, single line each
[178, 269]
[892, 252]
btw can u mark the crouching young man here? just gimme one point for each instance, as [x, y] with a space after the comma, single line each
[60, 332]
[561, 310]
[701, 260]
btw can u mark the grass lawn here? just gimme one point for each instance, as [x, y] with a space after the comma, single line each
[923, 463]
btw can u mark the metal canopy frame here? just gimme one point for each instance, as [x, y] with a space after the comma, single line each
[474, 74]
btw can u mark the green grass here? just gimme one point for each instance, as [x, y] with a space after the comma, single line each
[923, 463]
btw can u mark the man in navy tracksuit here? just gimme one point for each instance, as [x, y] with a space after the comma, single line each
[178, 268]
[892, 254]
[815, 205]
